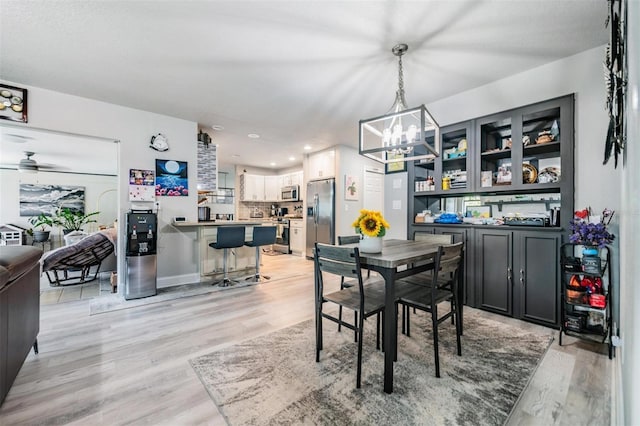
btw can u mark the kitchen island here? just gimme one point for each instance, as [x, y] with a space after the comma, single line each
[211, 260]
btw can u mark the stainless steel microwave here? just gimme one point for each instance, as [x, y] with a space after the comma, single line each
[291, 193]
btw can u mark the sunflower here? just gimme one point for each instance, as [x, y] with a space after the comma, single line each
[371, 223]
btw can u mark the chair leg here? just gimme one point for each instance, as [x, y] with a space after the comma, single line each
[355, 322]
[340, 318]
[318, 331]
[378, 331]
[408, 312]
[35, 347]
[359, 331]
[458, 328]
[434, 321]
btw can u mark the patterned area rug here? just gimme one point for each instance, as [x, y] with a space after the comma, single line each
[274, 379]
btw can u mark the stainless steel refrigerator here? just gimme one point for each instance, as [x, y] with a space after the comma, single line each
[321, 213]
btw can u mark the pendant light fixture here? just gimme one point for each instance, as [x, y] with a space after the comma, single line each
[402, 134]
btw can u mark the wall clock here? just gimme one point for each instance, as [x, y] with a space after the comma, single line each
[159, 142]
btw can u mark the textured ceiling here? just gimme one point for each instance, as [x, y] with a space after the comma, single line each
[294, 72]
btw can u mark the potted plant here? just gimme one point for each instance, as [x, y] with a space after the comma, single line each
[42, 221]
[72, 220]
[373, 226]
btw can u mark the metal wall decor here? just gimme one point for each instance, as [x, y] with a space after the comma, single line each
[615, 77]
[13, 103]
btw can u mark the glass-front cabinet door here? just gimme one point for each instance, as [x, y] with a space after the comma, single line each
[453, 170]
[495, 163]
[526, 149]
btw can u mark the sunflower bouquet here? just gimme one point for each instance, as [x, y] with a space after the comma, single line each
[371, 223]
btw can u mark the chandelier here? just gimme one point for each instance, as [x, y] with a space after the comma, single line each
[402, 134]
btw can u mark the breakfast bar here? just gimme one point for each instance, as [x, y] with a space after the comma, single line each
[211, 260]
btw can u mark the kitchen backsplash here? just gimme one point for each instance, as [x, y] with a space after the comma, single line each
[246, 208]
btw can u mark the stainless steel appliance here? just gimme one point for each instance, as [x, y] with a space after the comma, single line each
[141, 268]
[282, 236]
[281, 211]
[320, 213]
[204, 214]
[291, 193]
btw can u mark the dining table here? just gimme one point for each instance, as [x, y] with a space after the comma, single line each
[398, 259]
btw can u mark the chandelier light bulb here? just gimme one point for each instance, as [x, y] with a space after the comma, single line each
[412, 131]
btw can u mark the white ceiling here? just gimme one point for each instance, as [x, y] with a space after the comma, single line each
[294, 72]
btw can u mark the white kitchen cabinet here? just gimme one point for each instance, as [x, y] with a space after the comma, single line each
[296, 236]
[272, 188]
[322, 165]
[251, 187]
[296, 178]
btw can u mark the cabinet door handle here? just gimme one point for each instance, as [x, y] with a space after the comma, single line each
[522, 283]
[509, 276]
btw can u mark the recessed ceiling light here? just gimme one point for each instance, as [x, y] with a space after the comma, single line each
[292, 158]
[272, 163]
[235, 156]
[217, 127]
[307, 147]
[253, 135]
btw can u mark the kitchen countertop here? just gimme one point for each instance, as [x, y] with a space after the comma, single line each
[221, 223]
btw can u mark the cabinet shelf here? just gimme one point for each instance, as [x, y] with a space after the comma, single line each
[547, 203]
[496, 155]
[542, 148]
[588, 335]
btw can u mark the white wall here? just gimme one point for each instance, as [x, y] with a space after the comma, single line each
[95, 187]
[349, 162]
[628, 357]
[177, 249]
[395, 192]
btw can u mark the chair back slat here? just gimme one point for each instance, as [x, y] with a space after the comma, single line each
[341, 261]
[348, 239]
[448, 262]
[338, 268]
[433, 238]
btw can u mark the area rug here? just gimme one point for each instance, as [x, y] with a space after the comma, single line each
[274, 379]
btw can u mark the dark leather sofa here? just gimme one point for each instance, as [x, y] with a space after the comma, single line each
[19, 310]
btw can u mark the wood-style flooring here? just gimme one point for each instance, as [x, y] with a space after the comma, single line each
[131, 366]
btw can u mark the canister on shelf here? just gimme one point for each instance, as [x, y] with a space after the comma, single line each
[446, 183]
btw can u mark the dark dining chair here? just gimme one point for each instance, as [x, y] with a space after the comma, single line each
[351, 239]
[448, 262]
[366, 301]
[262, 236]
[228, 237]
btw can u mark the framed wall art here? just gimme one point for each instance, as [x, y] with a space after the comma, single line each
[395, 166]
[141, 185]
[351, 188]
[47, 199]
[171, 178]
[13, 103]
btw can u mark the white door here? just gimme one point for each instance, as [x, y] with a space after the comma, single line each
[373, 190]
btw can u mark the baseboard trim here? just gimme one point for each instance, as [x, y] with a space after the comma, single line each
[617, 392]
[177, 280]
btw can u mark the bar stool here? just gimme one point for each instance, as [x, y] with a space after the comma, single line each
[262, 236]
[228, 237]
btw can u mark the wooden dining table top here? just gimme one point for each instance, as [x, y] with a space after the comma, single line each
[400, 252]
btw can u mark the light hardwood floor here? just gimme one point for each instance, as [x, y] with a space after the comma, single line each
[131, 366]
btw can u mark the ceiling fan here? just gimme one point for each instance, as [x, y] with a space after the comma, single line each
[29, 165]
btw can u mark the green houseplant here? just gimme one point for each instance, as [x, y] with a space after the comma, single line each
[40, 224]
[71, 220]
